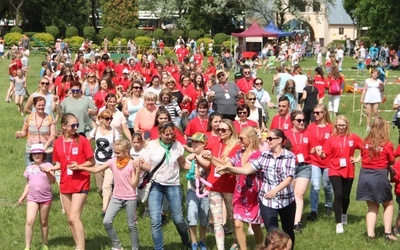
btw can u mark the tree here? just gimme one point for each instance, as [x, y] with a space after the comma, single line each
[17, 4]
[375, 15]
[119, 14]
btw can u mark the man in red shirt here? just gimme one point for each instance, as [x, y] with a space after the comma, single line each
[105, 62]
[181, 52]
[124, 81]
[245, 83]
[161, 45]
[282, 119]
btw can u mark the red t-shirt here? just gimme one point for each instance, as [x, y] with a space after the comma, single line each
[181, 53]
[319, 135]
[67, 152]
[178, 135]
[340, 149]
[281, 123]
[191, 92]
[99, 99]
[320, 84]
[239, 126]
[124, 82]
[222, 183]
[196, 125]
[198, 59]
[301, 145]
[211, 70]
[103, 65]
[245, 85]
[385, 157]
[211, 140]
[396, 179]
[119, 68]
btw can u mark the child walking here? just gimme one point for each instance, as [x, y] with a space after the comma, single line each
[20, 90]
[38, 191]
[197, 208]
[126, 179]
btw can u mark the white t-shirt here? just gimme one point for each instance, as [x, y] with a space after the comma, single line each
[104, 144]
[301, 82]
[362, 52]
[340, 53]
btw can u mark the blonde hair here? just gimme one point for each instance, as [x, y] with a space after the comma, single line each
[233, 140]
[343, 118]
[124, 143]
[377, 136]
[251, 133]
[276, 240]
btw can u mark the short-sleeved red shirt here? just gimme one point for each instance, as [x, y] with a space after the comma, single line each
[67, 152]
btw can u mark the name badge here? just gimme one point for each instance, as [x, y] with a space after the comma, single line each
[227, 96]
[300, 158]
[351, 143]
[285, 126]
[305, 140]
[327, 135]
[342, 162]
[75, 151]
[216, 173]
[69, 172]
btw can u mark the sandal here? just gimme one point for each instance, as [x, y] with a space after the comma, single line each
[234, 246]
[390, 236]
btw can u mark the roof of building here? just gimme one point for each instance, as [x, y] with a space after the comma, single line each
[338, 15]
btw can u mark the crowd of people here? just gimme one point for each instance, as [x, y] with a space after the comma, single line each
[145, 116]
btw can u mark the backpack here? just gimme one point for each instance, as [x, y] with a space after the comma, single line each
[335, 86]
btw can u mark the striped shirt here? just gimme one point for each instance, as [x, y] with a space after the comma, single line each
[273, 172]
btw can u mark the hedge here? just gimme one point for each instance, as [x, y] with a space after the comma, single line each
[89, 32]
[16, 29]
[176, 34]
[127, 33]
[108, 32]
[75, 41]
[204, 40]
[139, 33]
[194, 34]
[143, 42]
[53, 30]
[12, 38]
[45, 38]
[219, 38]
[158, 34]
[71, 31]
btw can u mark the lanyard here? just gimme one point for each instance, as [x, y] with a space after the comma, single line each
[38, 127]
[248, 83]
[343, 146]
[202, 125]
[323, 134]
[298, 145]
[67, 156]
[225, 89]
[280, 125]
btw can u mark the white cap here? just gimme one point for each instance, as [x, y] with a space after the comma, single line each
[125, 71]
[37, 148]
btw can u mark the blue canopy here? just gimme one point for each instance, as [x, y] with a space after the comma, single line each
[271, 27]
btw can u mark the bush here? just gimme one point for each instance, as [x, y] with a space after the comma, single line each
[124, 42]
[71, 31]
[143, 41]
[367, 41]
[139, 33]
[194, 34]
[219, 38]
[209, 53]
[12, 38]
[204, 40]
[108, 32]
[89, 32]
[53, 30]
[158, 34]
[176, 33]
[16, 29]
[127, 33]
[168, 52]
[30, 34]
[228, 44]
[75, 41]
[207, 36]
[169, 41]
[45, 38]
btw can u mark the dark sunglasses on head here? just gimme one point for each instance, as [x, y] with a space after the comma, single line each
[299, 120]
[74, 125]
[269, 138]
[108, 118]
[45, 83]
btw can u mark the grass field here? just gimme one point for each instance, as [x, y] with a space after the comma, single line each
[316, 235]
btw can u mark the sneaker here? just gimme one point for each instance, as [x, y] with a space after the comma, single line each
[250, 231]
[297, 228]
[194, 246]
[344, 219]
[202, 245]
[328, 210]
[312, 216]
[227, 230]
[146, 213]
[339, 228]
[390, 237]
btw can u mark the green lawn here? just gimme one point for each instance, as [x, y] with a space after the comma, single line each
[316, 235]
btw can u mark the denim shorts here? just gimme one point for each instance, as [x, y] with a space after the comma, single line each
[197, 209]
[302, 171]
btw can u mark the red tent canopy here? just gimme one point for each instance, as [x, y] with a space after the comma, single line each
[255, 31]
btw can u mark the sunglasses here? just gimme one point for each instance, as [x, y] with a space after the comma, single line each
[45, 83]
[137, 87]
[251, 99]
[74, 125]
[242, 138]
[108, 118]
[91, 76]
[170, 82]
[68, 76]
[75, 91]
[258, 83]
[341, 125]
[318, 112]
[299, 120]
[246, 72]
[242, 112]
[221, 130]
[220, 75]
[290, 88]
[269, 138]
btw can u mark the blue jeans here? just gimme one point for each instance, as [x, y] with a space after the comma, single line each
[174, 196]
[112, 210]
[316, 174]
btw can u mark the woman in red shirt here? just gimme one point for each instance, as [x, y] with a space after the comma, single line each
[301, 147]
[212, 129]
[72, 149]
[223, 185]
[340, 148]
[320, 131]
[199, 123]
[319, 82]
[243, 112]
[373, 183]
